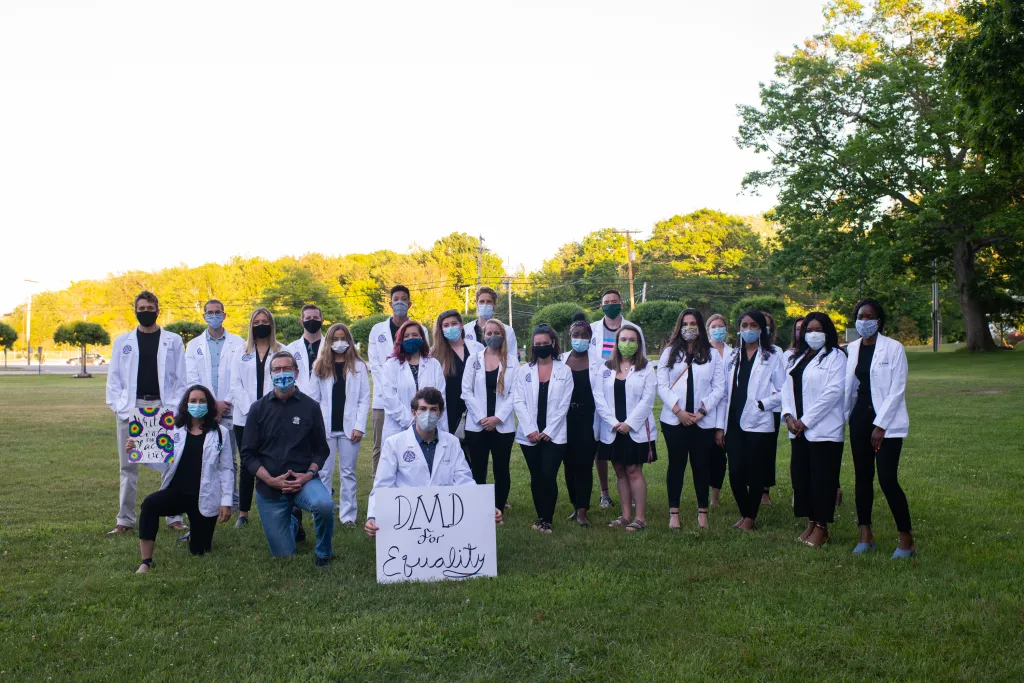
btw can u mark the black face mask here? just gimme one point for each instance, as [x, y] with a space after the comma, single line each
[312, 326]
[146, 318]
[541, 352]
[261, 331]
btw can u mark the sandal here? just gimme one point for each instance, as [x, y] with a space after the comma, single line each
[705, 526]
[636, 525]
[618, 522]
[677, 526]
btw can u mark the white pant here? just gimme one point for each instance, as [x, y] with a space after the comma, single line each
[346, 454]
[130, 473]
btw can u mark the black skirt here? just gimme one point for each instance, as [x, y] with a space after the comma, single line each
[624, 451]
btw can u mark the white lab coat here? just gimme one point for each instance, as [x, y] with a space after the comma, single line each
[597, 339]
[357, 399]
[774, 402]
[402, 465]
[474, 393]
[595, 386]
[524, 400]
[708, 387]
[379, 349]
[888, 385]
[398, 388]
[510, 341]
[197, 363]
[123, 373]
[217, 478]
[243, 382]
[641, 390]
[765, 379]
[822, 387]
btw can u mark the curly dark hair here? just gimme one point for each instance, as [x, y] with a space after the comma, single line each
[184, 419]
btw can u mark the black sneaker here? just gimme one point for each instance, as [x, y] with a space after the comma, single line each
[300, 535]
[321, 562]
[241, 522]
[185, 536]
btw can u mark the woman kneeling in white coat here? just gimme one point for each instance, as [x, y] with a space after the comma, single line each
[408, 369]
[813, 408]
[625, 404]
[340, 383]
[199, 480]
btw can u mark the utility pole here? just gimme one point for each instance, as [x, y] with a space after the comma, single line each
[936, 313]
[629, 263]
[28, 328]
[479, 261]
[508, 284]
[643, 293]
[465, 290]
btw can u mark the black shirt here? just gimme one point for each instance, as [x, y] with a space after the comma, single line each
[620, 400]
[283, 435]
[741, 378]
[394, 328]
[491, 382]
[338, 399]
[190, 467]
[148, 380]
[582, 395]
[311, 351]
[542, 406]
[863, 373]
[689, 390]
[453, 391]
[797, 373]
[415, 370]
[261, 369]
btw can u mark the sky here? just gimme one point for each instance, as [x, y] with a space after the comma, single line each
[137, 135]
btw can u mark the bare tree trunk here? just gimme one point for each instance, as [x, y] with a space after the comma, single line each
[979, 336]
[81, 357]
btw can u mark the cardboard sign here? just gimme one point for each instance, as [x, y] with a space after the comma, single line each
[152, 430]
[435, 533]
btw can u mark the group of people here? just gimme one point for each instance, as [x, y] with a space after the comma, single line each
[445, 411]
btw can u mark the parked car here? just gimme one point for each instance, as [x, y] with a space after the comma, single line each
[90, 359]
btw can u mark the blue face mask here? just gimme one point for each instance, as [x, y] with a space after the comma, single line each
[427, 421]
[401, 308]
[197, 409]
[452, 333]
[411, 346]
[718, 334]
[750, 336]
[283, 380]
[214, 320]
[485, 311]
[867, 328]
[580, 345]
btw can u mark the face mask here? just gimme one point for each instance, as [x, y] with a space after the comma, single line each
[283, 380]
[340, 346]
[261, 331]
[750, 336]
[485, 311]
[867, 328]
[611, 311]
[815, 339]
[580, 345]
[146, 318]
[401, 308]
[215, 320]
[197, 409]
[312, 326]
[494, 343]
[411, 346]
[541, 352]
[718, 334]
[452, 333]
[628, 348]
[690, 333]
[427, 421]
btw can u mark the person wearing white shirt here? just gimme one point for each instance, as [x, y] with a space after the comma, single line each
[602, 345]
[876, 410]
[340, 383]
[452, 348]
[250, 380]
[813, 408]
[409, 369]
[422, 455]
[625, 404]
[542, 394]
[147, 371]
[718, 332]
[307, 347]
[691, 383]
[490, 420]
[486, 300]
[582, 423]
[744, 424]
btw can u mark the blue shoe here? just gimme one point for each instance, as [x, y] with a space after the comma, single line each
[863, 548]
[901, 554]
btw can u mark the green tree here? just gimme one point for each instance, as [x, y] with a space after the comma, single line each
[298, 287]
[8, 335]
[187, 329]
[360, 330]
[558, 316]
[657, 319]
[289, 328]
[874, 172]
[81, 334]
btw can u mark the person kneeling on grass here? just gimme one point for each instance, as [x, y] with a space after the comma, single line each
[422, 455]
[199, 479]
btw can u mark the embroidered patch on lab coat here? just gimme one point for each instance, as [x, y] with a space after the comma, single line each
[127, 349]
[409, 456]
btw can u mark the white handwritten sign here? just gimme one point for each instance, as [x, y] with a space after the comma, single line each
[433, 533]
[152, 430]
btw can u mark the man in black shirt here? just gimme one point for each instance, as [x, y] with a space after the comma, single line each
[284, 447]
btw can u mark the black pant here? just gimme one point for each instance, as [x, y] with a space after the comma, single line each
[499, 446]
[814, 470]
[167, 503]
[717, 466]
[579, 462]
[749, 462]
[695, 443]
[246, 481]
[544, 459]
[888, 458]
[770, 482]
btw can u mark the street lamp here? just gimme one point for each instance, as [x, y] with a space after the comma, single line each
[28, 326]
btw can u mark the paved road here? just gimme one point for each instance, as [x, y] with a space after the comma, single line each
[52, 369]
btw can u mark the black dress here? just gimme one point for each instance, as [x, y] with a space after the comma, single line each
[453, 392]
[623, 450]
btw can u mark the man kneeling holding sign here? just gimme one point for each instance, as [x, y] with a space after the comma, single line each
[428, 533]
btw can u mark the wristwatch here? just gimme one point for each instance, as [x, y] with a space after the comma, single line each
[315, 473]
[702, 411]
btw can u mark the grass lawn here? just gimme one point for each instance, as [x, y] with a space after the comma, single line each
[594, 604]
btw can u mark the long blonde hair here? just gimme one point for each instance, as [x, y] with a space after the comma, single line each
[502, 354]
[250, 342]
[442, 348]
[323, 366]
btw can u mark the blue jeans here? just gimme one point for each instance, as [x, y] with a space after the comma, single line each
[280, 526]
